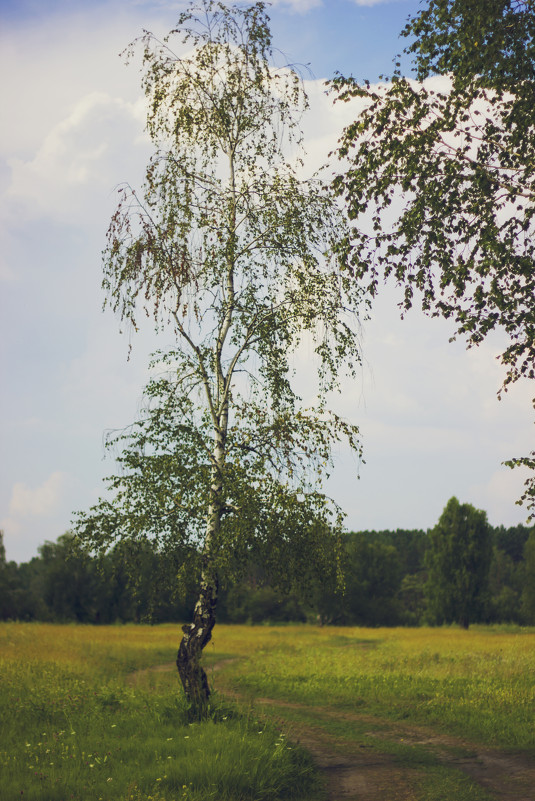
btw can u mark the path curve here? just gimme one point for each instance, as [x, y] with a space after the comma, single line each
[355, 771]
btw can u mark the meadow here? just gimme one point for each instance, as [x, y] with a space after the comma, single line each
[84, 716]
[76, 724]
[478, 683]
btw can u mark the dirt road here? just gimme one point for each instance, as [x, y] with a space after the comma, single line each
[375, 759]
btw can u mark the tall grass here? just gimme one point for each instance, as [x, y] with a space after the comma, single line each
[74, 725]
[77, 721]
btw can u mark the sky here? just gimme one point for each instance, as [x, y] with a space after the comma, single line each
[73, 129]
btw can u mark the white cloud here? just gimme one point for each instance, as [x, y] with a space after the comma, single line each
[35, 514]
[78, 160]
[6, 272]
[100, 388]
[42, 501]
[54, 64]
[499, 494]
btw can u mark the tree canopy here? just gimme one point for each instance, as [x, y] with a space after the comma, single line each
[440, 177]
[231, 248]
[458, 561]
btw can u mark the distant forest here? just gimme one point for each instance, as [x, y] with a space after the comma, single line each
[385, 583]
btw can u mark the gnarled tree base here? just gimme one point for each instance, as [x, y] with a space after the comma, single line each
[196, 636]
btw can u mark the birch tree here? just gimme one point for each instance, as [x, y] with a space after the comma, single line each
[231, 248]
[443, 168]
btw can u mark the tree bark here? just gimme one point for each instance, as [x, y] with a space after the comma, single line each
[196, 635]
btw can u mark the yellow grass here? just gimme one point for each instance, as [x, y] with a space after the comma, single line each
[479, 683]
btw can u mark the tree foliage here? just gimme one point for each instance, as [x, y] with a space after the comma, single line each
[443, 170]
[231, 248]
[528, 576]
[384, 584]
[458, 561]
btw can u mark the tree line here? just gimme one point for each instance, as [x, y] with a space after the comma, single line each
[390, 578]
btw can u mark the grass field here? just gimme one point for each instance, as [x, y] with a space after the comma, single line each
[75, 726]
[478, 683]
[83, 719]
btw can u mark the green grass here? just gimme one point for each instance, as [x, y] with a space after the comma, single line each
[74, 728]
[478, 684]
[77, 721]
[445, 784]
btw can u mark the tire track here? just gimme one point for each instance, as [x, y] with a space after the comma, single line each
[357, 771]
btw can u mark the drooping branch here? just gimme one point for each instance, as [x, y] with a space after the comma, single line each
[237, 255]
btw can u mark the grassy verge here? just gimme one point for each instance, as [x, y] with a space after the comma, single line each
[73, 727]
